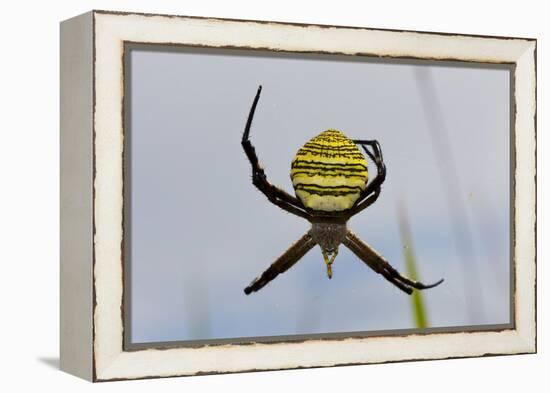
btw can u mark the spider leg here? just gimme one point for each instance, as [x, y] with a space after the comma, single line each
[377, 263]
[275, 195]
[366, 202]
[283, 263]
[373, 188]
[378, 159]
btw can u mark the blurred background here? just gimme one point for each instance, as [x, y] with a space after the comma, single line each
[199, 231]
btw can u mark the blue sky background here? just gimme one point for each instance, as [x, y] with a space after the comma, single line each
[200, 232]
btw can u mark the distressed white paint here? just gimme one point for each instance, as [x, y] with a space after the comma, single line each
[111, 30]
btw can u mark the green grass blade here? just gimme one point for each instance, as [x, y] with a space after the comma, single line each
[417, 301]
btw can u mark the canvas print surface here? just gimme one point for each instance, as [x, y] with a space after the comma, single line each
[198, 231]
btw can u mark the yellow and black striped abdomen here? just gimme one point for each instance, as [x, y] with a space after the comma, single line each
[329, 172]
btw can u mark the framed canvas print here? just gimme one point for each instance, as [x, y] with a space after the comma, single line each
[246, 195]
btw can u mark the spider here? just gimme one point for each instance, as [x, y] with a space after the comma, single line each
[329, 175]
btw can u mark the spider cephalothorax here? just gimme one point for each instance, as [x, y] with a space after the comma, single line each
[330, 178]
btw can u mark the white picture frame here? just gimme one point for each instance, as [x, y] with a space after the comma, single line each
[92, 202]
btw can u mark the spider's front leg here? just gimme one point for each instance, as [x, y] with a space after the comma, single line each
[283, 263]
[377, 263]
[275, 195]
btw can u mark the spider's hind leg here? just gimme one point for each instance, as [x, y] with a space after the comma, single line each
[275, 195]
[372, 190]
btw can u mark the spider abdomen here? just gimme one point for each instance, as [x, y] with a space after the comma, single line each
[329, 172]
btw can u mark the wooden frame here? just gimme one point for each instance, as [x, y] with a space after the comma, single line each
[92, 203]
